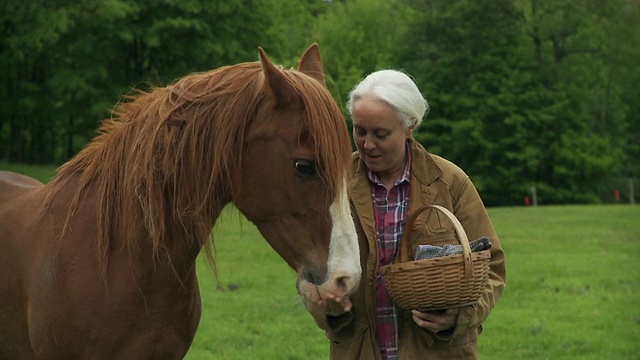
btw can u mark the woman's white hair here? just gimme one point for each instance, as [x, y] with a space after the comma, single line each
[397, 89]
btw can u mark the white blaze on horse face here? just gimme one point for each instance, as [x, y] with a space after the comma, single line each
[343, 265]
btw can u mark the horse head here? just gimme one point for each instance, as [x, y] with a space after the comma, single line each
[294, 178]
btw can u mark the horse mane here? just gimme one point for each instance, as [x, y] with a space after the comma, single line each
[168, 158]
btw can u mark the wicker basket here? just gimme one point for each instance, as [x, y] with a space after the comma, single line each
[437, 283]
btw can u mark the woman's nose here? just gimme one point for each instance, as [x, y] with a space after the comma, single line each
[369, 144]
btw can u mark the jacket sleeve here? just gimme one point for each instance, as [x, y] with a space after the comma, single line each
[469, 209]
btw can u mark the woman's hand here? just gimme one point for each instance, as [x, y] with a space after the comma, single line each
[335, 306]
[330, 304]
[436, 321]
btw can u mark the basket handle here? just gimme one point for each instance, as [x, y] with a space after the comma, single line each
[461, 236]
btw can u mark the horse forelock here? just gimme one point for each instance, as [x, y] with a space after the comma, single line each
[326, 126]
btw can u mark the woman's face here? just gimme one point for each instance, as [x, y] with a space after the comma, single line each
[379, 136]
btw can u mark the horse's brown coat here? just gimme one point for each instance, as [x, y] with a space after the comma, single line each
[100, 262]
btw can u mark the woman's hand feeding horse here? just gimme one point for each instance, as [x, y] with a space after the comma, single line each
[100, 262]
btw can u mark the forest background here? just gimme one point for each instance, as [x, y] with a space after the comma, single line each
[529, 97]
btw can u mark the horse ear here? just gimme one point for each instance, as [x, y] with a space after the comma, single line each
[276, 80]
[311, 63]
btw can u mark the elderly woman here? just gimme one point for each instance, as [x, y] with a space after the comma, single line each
[393, 176]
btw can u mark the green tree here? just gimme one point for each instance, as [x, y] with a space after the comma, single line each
[358, 37]
[30, 31]
[68, 63]
[465, 57]
[290, 28]
[623, 57]
[579, 68]
[521, 94]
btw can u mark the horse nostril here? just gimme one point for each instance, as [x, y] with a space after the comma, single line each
[312, 278]
[342, 284]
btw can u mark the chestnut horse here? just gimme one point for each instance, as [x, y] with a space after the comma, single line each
[100, 262]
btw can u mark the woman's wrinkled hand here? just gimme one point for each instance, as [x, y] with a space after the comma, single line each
[436, 321]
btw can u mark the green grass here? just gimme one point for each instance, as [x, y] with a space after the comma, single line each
[573, 290]
[252, 310]
[573, 284]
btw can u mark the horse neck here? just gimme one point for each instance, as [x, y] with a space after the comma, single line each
[183, 241]
[124, 234]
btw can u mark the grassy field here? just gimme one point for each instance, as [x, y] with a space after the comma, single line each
[573, 289]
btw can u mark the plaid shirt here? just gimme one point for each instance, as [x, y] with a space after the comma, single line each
[390, 210]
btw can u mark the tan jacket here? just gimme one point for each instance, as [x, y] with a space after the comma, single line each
[434, 180]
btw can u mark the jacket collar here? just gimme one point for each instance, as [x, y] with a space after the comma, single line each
[423, 168]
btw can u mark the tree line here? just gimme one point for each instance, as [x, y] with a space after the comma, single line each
[524, 94]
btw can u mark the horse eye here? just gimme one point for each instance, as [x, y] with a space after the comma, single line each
[304, 167]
